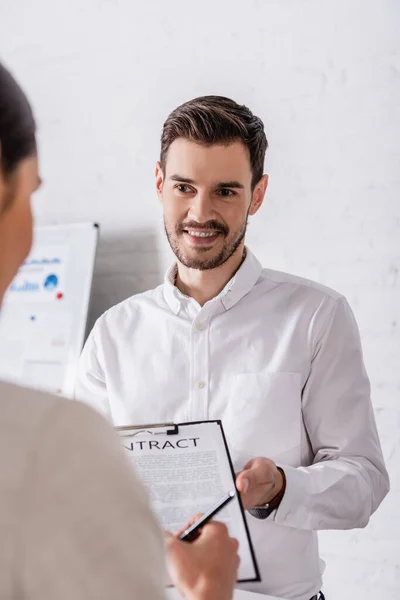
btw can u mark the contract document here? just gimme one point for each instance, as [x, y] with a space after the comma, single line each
[186, 468]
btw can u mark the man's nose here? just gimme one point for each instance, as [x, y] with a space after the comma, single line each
[201, 208]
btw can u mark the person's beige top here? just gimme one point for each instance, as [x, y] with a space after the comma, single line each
[74, 521]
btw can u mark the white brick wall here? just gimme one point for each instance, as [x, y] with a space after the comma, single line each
[325, 77]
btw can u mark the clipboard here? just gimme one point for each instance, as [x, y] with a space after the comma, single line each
[161, 429]
[145, 440]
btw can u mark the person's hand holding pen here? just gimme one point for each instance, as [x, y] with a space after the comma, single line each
[194, 519]
[207, 567]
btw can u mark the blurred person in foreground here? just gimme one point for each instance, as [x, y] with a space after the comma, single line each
[74, 521]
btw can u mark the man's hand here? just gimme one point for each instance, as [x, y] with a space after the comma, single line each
[259, 482]
[206, 568]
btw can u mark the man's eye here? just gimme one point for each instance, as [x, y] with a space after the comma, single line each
[225, 193]
[183, 188]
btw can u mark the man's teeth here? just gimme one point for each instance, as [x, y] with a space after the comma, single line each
[202, 234]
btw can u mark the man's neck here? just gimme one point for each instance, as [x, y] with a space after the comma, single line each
[206, 285]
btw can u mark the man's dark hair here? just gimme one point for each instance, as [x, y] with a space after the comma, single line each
[212, 120]
[17, 125]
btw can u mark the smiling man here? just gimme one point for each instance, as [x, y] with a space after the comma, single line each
[276, 357]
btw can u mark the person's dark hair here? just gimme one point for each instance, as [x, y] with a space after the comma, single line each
[212, 120]
[17, 124]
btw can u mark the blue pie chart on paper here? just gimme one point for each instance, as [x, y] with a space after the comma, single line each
[51, 282]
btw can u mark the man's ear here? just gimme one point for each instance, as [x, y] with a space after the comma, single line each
[259, 194]
[159, 180]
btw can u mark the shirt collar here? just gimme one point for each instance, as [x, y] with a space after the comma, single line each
[241, 283]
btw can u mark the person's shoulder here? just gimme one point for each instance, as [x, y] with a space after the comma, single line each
[25, 410]
[23, 407]
[54, 448]
[32, 420]
[306, 287]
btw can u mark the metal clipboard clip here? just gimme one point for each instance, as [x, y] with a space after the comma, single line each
[162, 429]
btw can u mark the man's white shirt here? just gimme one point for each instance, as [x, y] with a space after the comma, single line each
[279, 360]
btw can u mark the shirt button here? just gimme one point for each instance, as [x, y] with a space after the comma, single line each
[200, 326]
[199, 385]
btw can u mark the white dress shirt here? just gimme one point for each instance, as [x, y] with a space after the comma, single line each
[278, 359]
[74, 520]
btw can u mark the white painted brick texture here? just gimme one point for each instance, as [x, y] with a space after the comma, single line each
[325, 77]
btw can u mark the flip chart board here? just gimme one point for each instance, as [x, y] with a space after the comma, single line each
[44, 314]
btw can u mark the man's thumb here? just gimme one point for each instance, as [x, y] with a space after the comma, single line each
[243, 484]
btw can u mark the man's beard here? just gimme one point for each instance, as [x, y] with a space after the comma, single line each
[230, 246]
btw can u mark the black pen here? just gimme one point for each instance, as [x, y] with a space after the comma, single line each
[190, 533]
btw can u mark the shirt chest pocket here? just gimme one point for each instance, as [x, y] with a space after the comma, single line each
[263, 417]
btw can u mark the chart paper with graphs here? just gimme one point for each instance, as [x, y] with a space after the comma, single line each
[44, 314]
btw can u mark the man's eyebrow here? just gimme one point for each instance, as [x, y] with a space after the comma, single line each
[222, 184]
[177, 177]
[38, 183]
[231, 184]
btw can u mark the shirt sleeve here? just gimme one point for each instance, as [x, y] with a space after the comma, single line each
[91, 386]
[348, 479]
[86, 529]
